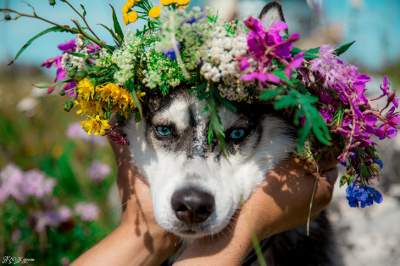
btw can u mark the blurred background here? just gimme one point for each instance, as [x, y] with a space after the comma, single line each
[57, 185]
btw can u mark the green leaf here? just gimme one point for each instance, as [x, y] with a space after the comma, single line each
[117, 26]
[365, 171]
[343, 48]
[112, 33]
[31, 40]
[338, 117]
[280, 74]
[258, 250]
[212, 19]
[346, 179]
[295, 51]
[45, 85]
[131, 87]
[68, 105]
[268, 94]
[311, 53]
[52, 2]
[215, 128]
[78, 55]
[285, 102]
[84, 10]
[303, 134]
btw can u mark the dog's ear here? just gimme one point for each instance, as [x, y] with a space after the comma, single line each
[271, 13]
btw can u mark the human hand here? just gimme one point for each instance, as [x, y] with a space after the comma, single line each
[279, 204]
[138, 240]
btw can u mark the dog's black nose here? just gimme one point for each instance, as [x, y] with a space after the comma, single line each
[192, 205]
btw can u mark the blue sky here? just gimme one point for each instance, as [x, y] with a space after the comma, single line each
[375, 27]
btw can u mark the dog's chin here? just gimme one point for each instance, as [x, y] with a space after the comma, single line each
[201, 231]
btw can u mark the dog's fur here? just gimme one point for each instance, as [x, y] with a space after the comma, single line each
[186, 160]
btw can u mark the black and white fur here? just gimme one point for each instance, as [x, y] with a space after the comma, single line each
[185, 160]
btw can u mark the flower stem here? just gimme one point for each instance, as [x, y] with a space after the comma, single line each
[83, 18]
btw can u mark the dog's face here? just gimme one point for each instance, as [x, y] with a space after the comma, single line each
[195, 188]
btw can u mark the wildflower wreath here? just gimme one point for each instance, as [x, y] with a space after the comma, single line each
[223, 64]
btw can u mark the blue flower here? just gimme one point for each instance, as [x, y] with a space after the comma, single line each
[170, 54]
[362, 196]
[379, 162]
[191, 20]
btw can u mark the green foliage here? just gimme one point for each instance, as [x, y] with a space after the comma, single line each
[31, 40]
[258, 250]
[117, 27]
[338, 116]
[308, 54]
[39, 142]
[343, 48]
[130, 85]
[306, 115]
[213, 101]
[346, 179]
[311, 53]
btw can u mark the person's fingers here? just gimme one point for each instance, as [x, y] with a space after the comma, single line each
[332, 175]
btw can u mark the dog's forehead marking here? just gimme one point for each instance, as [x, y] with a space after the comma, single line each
[176, 112]
[228, 118]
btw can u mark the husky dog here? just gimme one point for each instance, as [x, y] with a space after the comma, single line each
[195, 188]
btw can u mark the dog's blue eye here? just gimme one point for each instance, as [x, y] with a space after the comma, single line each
[164, 131]
[237, 134]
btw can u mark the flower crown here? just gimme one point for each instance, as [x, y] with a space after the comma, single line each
[224, 64]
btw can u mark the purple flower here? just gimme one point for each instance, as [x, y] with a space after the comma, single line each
[265, 46]
[69, 46]
[93, 48]
[97, 171]
[51, 218]
[362, 196]
[262, 77]
[244, 63]
[69, 89]
[87, 211]
[296, 63]
[20, 186]
[61, 73]
[36, 184]
[11, 178]
[385, 86]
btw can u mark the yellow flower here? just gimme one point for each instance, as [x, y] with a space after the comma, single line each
[117, 96]
[85, 89]
[155, 12]
[182, 2]
[130, 17]
[167, 2]
[131, 3]
[125, 19]
[95, 125]
[128, 6]
[89, 108]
